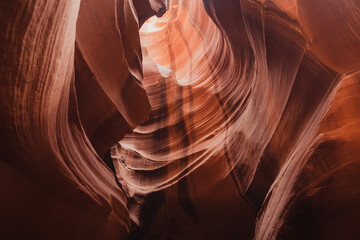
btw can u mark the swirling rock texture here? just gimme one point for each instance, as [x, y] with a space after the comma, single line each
[53, 182]
[226, 119]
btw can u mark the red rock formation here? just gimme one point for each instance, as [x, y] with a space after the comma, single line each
[54, 185]
[237, 100]
[238, 119]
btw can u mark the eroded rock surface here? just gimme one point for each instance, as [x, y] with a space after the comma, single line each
[54, 184]
[244, 137]
[226, 119]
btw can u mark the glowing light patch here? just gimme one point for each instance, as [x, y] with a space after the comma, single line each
[164, 71]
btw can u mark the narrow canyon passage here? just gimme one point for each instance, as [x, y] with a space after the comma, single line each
[180, 119]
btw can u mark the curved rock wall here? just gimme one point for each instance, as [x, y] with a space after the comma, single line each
[108, 63]
[237, 142]
[54, 184]
[237, 119]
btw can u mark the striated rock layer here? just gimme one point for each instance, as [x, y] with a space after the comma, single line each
[243, 140]
[53, 182]
[226, 119]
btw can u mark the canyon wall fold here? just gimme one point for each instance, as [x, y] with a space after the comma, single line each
[54, 184]
[242, 94]
[217, 119]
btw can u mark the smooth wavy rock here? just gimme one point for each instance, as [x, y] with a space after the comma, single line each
[238, 144]
[108, 71]
[224, 119]
[53, 183]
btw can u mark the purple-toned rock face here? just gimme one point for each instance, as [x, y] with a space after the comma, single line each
[221, 119]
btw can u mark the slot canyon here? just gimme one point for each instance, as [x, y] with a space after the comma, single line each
[180, 119]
